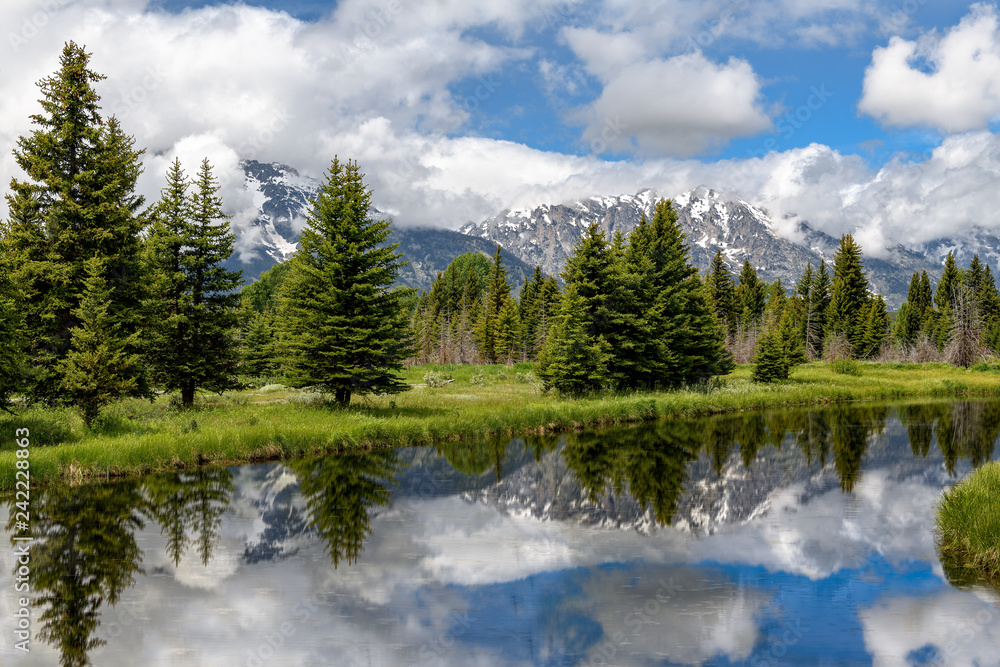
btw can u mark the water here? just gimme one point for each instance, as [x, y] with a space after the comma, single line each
[781, 538]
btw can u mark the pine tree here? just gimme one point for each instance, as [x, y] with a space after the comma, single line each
[910, 322]
[689, 339]
[819, 304]
[771, 361]
[497, 294]
[78, 202]
[344, 326]
[750, 297]
[13, 360]
[573, 361]
[849, 297]
[876, 328]
[193, 293]
[98, 368]
[722, 292]
[259, 348]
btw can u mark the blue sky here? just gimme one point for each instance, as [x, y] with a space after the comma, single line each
[878, 118]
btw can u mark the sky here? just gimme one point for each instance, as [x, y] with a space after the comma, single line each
[878, 118]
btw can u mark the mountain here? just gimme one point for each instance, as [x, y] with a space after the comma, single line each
[282, 196]
[548, 233]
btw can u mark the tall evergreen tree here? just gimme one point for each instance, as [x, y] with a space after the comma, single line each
[78, 202]
[497, 296]
[573, 361]
[722, 292]
[194, 342]
[751, 296]
[343, 324]
[818, 306]
[910, 322]
[690, 340]
[876, 328]
[849, 297]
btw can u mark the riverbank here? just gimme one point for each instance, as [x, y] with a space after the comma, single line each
[137, 437]
[968, 524]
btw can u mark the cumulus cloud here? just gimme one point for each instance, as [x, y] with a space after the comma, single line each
[683, 106]
[948, 82]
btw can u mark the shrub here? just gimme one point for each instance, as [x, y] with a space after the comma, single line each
[435, 379]
[846, 367]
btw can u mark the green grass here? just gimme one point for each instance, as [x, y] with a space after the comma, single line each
[135, 437]
[968, 525]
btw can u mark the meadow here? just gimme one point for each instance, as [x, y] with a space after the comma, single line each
[135, 437]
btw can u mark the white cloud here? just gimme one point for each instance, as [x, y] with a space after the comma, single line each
[949, 82]
[963, 629]
[683, 105]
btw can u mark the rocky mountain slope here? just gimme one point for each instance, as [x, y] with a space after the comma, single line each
[547, 234]
[282, 196]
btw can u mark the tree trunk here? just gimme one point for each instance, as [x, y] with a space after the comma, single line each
[343, 396]
[187, 394]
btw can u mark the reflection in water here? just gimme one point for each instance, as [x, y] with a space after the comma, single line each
[187, 504]
[653, 461]
[340, 491]
[86, 553]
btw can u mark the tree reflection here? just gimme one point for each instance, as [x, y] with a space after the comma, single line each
[967, 429]
[340, 492]
[85, 554]
[652, 462]
[188, 504]
[850, 429]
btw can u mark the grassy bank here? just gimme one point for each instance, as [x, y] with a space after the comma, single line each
[135, 437]
[968, 523]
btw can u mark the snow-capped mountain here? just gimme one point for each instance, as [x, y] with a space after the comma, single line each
[547, 235]
[282, 197]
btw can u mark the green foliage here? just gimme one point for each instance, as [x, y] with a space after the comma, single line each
[573, 361]
[193, 297]
[263, 293]
[876, 328]
[77, 202]
[98, 368]
[968, 525]
[341, 492]
[341, 322]
[13, 360]
[771, 361]
[722, 293]
[849, 296]
[497, 298]
[846, 367]
[750, 296]
[259, 346]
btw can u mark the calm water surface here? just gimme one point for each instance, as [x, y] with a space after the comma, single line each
[783, 538]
